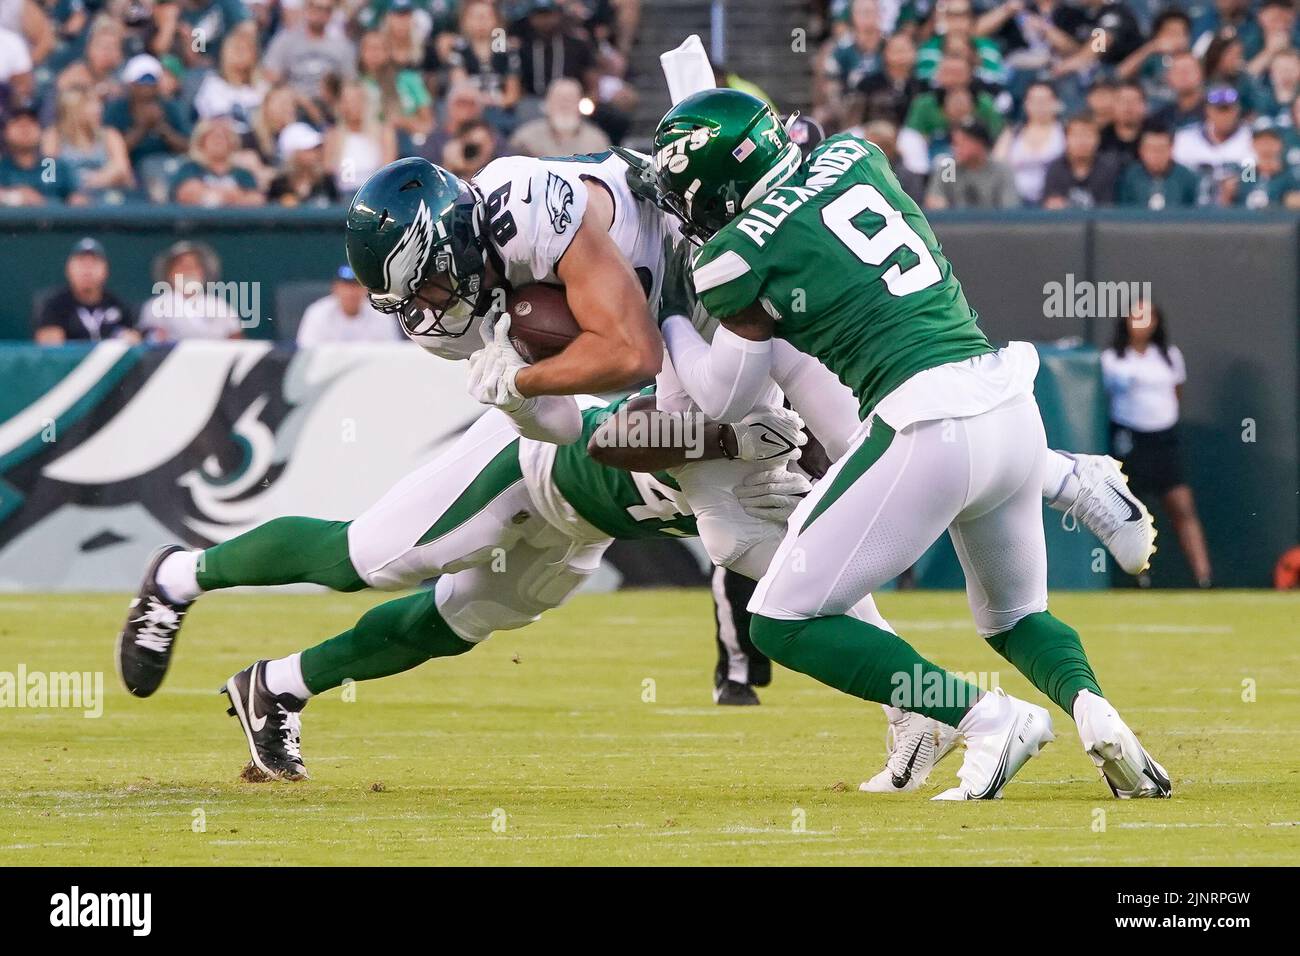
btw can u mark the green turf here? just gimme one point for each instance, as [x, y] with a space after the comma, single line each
[549, 728]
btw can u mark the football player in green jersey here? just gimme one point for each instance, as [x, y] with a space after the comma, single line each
[832, 256]
[504, 527]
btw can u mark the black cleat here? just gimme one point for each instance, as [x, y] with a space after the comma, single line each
[148, 638]
[272, 724]
[731, 693]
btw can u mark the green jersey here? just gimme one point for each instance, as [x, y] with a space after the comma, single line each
[622, 504]
[848, 267]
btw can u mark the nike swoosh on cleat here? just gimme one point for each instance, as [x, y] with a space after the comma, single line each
[901, 780]
[255, 722]
[1133, 513]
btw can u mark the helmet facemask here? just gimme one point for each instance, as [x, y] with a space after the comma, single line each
[451, 291]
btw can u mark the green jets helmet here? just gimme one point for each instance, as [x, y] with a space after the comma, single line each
[717, 152]
[414, 240]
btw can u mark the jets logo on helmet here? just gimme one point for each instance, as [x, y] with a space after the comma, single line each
[716, 153]
[404, 267]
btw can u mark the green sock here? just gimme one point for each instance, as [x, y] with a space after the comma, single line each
[865, 661]
[283, 551]
[389, 639]
[1049, 653]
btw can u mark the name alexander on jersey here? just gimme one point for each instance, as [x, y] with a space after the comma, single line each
[824, 171]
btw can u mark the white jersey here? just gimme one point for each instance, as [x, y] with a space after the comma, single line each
[534, 209]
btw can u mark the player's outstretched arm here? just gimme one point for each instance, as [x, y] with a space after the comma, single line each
[726, 377]
[768, 434]
[618, 347]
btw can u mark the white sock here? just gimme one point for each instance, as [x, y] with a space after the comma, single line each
[284, 676]
[1060, 486]
[178, 576]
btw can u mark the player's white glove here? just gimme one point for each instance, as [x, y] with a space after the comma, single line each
[772, 495]
[766, 434]
[492, 370]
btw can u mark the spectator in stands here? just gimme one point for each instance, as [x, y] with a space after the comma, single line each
[973, 180]
[1155, 181]
[210, 177]
[17, 80]
[151, 26]
[85, 309]
[887, 93]
[1186, 103]
[464, 105]
[28, 19]
[282, 106]
[205, 24]
[561, 130]
[98, 67]
[397, 94]
[1035, 144]
[1225, 65]
[404, 34]
[927, 113]
[1144, 376]
[237, 88]
[1100, 101]
[1106, 33]
[481, 56]
[1268, 182]
[472, 148]
[1279, 92]
[1027, 33]
[549, 49]
[26, 177]
[305, 54]
[1222, 17]
[846, 62]
[345, 315]
[358, 144]
[1171, 36]
[1120, 136]
[885, 135]
[954, 30]
[151, 125]
[1082, 178]
[1217, 149]
[304, 180]
[95, 153]
[1276, 21]
[185, 305]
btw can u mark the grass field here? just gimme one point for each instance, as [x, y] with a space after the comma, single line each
[547, 731]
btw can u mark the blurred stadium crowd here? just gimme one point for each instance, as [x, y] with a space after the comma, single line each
[249, 102]
[1079, 104]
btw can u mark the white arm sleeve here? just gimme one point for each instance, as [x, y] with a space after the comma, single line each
[549, 418]
[826, 404]
[725, 377]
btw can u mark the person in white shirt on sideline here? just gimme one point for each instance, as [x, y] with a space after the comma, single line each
[188, 301]
[345, 315]
[1144, 378]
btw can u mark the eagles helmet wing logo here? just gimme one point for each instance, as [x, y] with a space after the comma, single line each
[404, 266]
[559, 197]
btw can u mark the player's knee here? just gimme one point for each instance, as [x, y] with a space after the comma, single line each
[990, 623]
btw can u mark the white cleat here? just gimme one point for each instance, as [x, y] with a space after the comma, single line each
[1001, 734]
[1105, 506]
[916, 744]
[1122, 761]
